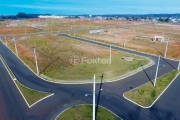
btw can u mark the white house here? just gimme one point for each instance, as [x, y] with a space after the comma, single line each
[158, 38]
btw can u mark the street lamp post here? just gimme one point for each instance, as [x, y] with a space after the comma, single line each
[24, 29]
[134, 32]
[94, 93]
[166, 48]
[94, 97]
[110, 56]
[58, 30]
[36, 61]
[14, 40]
[89, 21]
[179, 65]
[5, 40]
[156, 71]
[124, 43]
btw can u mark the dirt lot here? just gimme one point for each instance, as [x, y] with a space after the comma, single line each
[16, 30]
[118, 36]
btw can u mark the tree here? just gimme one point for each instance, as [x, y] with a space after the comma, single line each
[21, 15]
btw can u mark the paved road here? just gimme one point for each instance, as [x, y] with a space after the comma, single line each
[11, 101]
[111, 97]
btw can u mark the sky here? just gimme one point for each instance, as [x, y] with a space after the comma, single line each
[96, 7]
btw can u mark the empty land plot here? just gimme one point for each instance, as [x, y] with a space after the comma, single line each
[54, 53]
[16, 30]
[140, 40]
[151, 31]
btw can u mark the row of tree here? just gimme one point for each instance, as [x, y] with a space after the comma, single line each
[20, 15]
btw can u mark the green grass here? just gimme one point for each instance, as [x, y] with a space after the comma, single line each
[85, 71]
[62, 48]
[147, 93]
[31, 96]
[85, 113]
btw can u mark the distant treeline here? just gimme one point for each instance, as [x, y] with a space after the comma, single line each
[22, 15]
[141, 15]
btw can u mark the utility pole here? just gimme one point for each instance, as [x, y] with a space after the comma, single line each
[156, 71]
[94, 37]
[5, 40]
[178, 65]
[163, 34]
[94, 97]
[14, 40]
[124, 43]
[89, 22]
[134, 32]
[166, 48]
[36, 62]
[74, 33]
[110, 56]
[24, 29]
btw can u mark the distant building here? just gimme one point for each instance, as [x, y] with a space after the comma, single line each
[52, 16]
[158, 38]
[95, 31]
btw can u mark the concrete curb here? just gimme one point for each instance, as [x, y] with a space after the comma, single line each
[157, 97]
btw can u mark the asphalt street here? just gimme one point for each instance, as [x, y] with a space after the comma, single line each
[166, 108]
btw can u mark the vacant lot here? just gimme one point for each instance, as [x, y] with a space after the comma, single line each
[16, 30]
[55, 55]
[140, 39]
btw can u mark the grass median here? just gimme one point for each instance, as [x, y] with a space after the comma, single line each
[146, 94]
[30, 95]
[84, 112]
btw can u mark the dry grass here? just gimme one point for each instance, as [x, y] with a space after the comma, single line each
[53, 55]
[117, 36]
[16, 30]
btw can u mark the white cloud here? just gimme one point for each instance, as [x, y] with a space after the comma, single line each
[44, 7]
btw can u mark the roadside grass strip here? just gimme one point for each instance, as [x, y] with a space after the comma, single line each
[84, 112]
[146, 94]
[31, 96]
